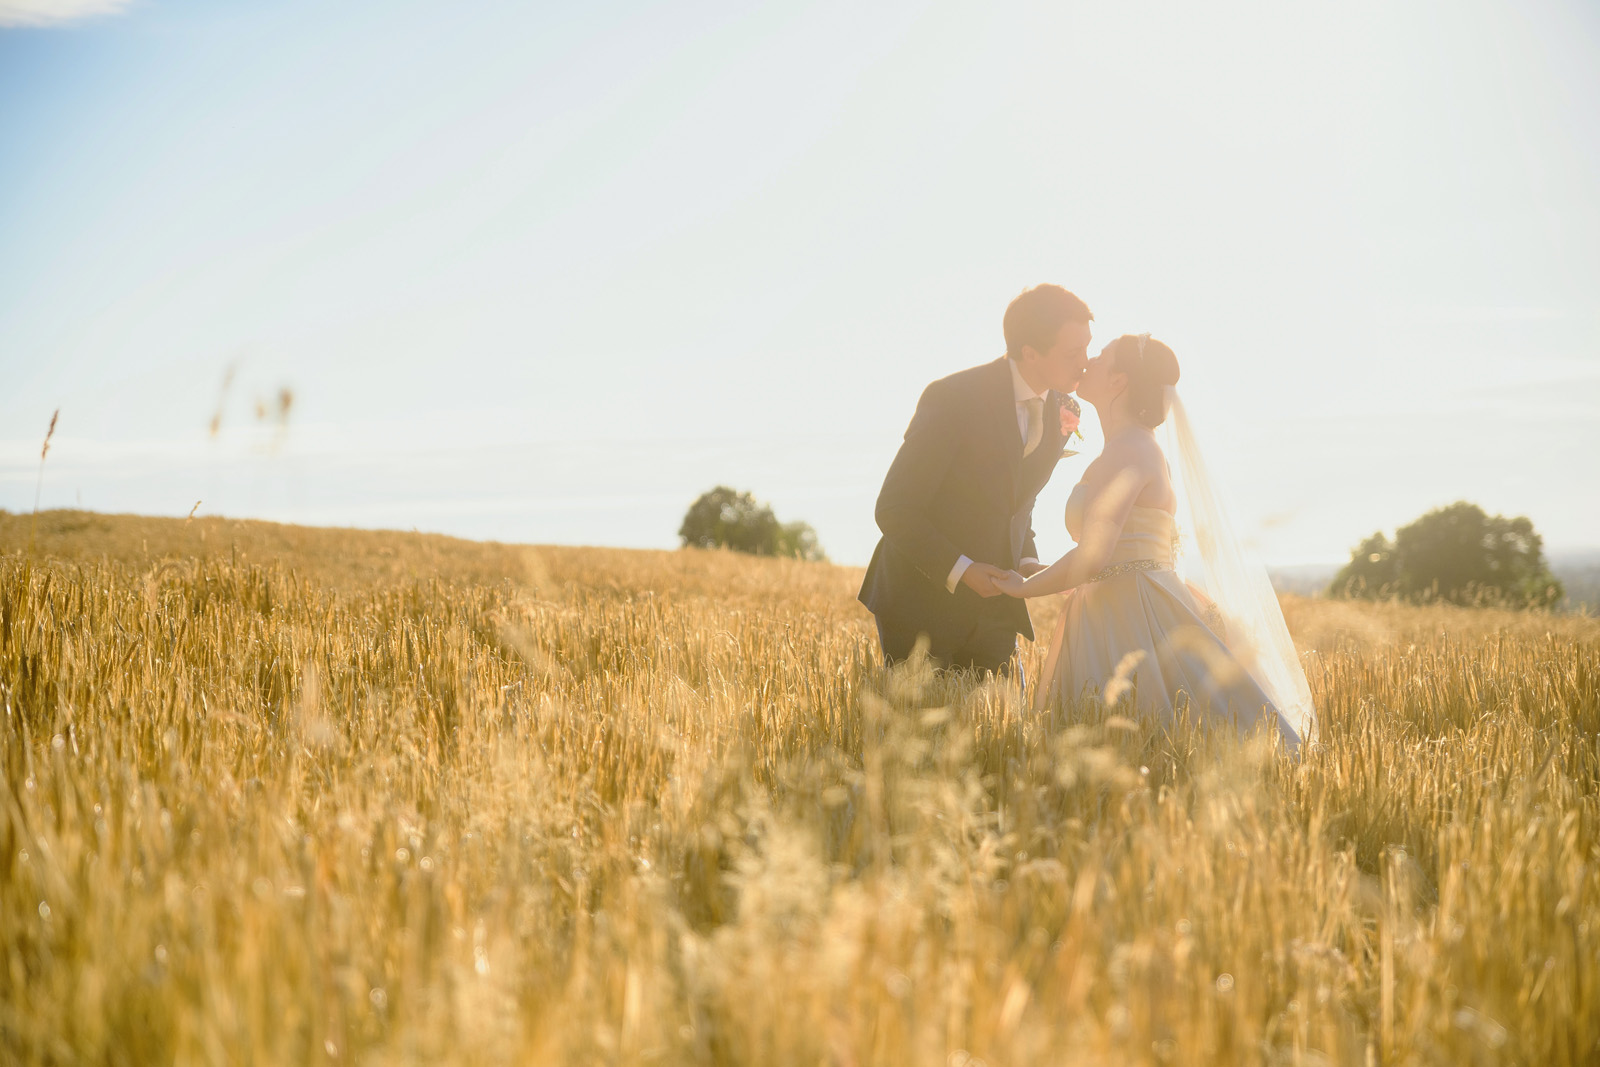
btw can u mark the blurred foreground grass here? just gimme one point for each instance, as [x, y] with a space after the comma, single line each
[282, 795]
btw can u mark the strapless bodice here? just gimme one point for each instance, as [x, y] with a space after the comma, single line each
[1148, 533]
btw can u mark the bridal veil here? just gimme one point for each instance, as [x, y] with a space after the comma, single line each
[1213, 559]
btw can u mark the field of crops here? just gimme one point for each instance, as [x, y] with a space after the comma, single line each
[277, 795]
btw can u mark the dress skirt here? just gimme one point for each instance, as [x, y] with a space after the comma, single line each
[1142, 637]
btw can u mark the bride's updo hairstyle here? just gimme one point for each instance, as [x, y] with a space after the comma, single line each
[1150, 366]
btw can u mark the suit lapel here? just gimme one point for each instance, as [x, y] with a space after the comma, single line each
[1053, 437]
[1004, 401]
[1026, 475]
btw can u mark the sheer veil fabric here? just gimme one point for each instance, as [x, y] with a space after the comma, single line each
[1212, 558]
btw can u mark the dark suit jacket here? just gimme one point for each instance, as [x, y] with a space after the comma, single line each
[958, 486]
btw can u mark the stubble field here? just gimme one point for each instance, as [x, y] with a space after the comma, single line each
[276, 795]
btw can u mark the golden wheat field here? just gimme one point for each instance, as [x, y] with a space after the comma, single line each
[281, 796]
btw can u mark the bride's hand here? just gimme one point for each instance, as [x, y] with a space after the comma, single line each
[1010, 584]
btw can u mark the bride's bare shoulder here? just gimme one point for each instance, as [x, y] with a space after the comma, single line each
[1134, 450]
[1130, 463]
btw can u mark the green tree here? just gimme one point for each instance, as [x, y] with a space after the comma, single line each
[1458, 554]
[1373, 570]
[726, 518]
[799, 540]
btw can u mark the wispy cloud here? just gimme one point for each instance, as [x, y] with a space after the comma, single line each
[55, 12]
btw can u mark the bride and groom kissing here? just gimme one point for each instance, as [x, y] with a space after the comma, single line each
[958, 558]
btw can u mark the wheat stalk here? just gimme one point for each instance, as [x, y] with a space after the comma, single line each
[38, 487]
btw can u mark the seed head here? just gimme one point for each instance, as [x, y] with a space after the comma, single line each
[51, 432]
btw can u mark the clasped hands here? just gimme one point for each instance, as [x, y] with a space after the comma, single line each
[987, 580]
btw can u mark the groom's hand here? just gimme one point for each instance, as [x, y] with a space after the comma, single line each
[1012, 585]
[980, 578]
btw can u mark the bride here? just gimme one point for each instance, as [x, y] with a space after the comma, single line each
[1215, 643]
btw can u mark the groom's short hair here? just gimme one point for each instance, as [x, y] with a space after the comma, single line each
[1036, 316]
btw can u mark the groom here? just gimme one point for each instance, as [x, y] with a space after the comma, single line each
[956, 508]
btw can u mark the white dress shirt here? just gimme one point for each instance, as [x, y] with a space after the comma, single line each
[1023, 392]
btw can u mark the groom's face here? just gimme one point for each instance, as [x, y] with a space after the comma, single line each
[1062, 364]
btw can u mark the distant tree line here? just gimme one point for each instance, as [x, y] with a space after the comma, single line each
[1456, 554]
[727, 518]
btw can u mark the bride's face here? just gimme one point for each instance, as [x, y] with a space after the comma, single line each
[1101, 383]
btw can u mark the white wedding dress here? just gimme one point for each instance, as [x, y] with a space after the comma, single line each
[1211, 641]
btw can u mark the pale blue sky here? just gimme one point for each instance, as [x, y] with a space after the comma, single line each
[545, 275]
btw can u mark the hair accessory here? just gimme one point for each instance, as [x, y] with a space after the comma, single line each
[1144, 409]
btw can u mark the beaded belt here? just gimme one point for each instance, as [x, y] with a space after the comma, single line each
[1131, 566]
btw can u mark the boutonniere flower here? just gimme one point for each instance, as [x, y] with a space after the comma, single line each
[1070, 417]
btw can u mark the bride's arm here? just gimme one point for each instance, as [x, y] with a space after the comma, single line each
[1111, 499]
